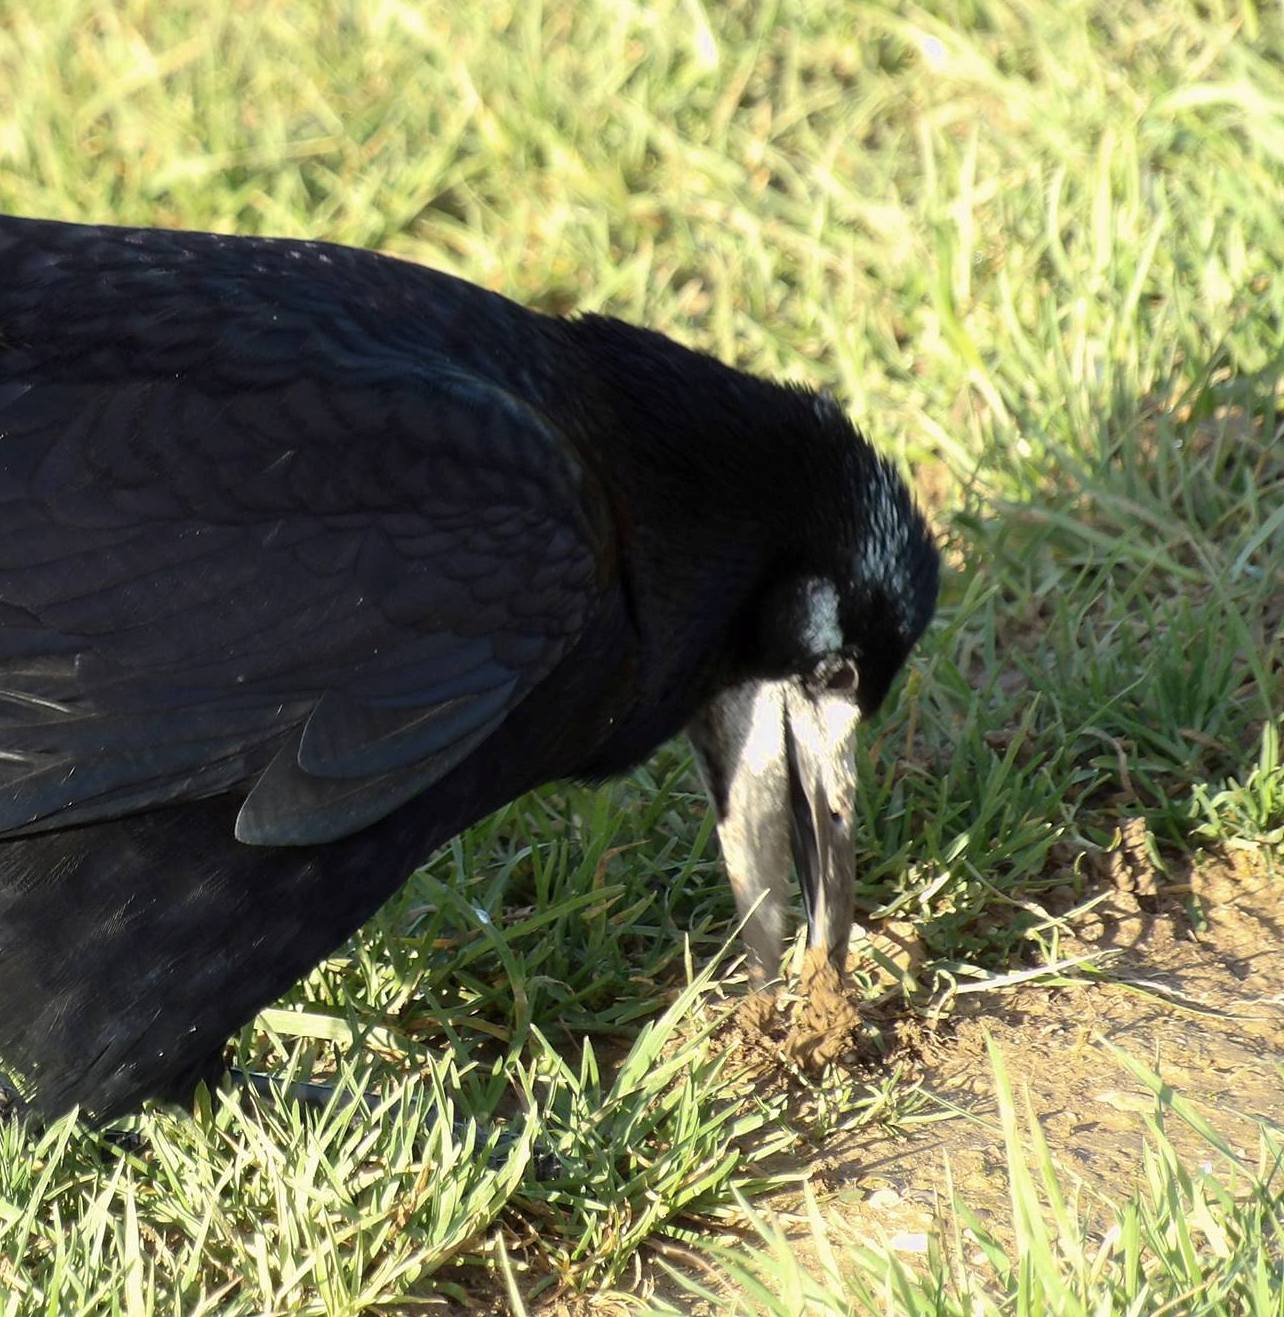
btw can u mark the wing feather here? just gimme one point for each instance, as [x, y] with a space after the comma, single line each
[258, 534]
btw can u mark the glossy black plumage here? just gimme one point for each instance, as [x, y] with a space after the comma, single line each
[308, 559]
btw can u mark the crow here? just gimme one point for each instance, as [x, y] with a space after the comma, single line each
[312, 557]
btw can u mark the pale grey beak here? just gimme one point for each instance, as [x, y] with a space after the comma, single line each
[779, 765]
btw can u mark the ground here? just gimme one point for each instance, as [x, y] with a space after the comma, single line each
[1196, 1000]
[1187, 977]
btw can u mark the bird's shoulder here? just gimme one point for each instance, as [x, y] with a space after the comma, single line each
[107, 301]
[241, 511]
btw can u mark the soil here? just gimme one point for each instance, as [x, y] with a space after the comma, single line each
[1194, 991]
[1190, 984]
[828, 1017]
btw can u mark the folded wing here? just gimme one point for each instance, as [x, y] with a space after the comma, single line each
[250, 542]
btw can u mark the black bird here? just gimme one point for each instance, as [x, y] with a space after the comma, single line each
[311, 557]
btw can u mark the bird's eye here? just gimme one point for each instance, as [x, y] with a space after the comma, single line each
[843, 678]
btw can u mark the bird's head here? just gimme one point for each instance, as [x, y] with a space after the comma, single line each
[852, 591]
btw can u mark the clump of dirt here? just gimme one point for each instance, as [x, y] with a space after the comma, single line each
[818, 1023]
[828, 1016]
[757, 1012]
[1132, 863]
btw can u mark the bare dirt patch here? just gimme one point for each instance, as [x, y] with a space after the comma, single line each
[1191, 984]
[1194, 989]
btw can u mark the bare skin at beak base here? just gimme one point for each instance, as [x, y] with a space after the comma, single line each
[820, 734]
[778, 762]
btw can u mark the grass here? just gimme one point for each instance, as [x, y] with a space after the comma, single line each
[1206, 1242]
[1035, 247]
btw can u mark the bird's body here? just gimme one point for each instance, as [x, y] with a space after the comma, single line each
[309, 558]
